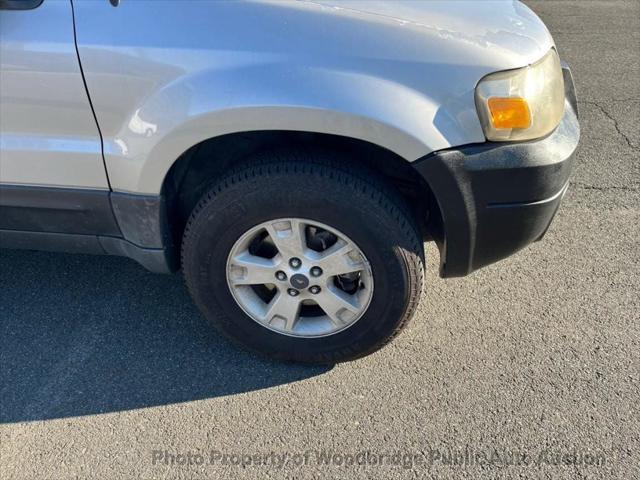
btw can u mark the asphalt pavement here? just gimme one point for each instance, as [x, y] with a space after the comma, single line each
[532, 364]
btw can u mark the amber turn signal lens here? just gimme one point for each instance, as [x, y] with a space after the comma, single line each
[509, 112]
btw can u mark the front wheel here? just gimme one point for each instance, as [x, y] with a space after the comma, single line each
[304, 261]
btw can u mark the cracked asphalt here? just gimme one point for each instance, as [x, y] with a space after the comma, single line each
[106, 370]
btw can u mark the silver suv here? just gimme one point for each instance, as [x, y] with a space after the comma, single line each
[291, 157]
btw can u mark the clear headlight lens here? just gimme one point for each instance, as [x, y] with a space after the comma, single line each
[522, 104]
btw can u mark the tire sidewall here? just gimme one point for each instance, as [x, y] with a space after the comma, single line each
[242, 205]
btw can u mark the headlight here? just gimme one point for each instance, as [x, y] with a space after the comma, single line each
[522, 104]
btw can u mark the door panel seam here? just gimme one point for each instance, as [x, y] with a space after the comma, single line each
[86, 89]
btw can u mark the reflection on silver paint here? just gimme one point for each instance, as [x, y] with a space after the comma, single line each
[48, 135]
[400, 74]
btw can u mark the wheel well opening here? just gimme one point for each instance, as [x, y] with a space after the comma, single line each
[200, 166]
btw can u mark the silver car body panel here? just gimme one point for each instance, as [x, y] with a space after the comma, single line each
[164, 76]
[48, 135]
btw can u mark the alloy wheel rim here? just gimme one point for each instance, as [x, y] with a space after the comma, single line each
[299, 277]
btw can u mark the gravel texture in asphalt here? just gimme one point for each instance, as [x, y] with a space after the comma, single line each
[107, 371]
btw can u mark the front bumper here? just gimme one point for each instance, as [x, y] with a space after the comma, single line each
[495, 198]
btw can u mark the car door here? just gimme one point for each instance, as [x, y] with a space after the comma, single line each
[48, 134]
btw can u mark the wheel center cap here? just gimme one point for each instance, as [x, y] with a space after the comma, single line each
[299, 281]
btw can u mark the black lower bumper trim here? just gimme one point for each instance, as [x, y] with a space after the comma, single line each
[496, 198]
[506, 228]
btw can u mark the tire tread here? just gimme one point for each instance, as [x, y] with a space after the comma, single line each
[366, 182]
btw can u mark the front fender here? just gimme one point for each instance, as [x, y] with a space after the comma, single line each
[273, 96]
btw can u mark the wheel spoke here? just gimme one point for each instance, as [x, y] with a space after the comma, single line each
[289, 237]
[340, 259]
[339, 306]
[283, 310]
[299, 291]
[247, 269]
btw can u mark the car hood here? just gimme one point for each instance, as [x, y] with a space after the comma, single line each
[505, 31]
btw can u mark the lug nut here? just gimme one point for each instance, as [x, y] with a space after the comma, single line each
[280, 275]
[316, 271]
[315, 289]
[295, 262]
[293, 292]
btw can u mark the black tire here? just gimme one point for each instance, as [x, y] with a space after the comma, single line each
[306, 185]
